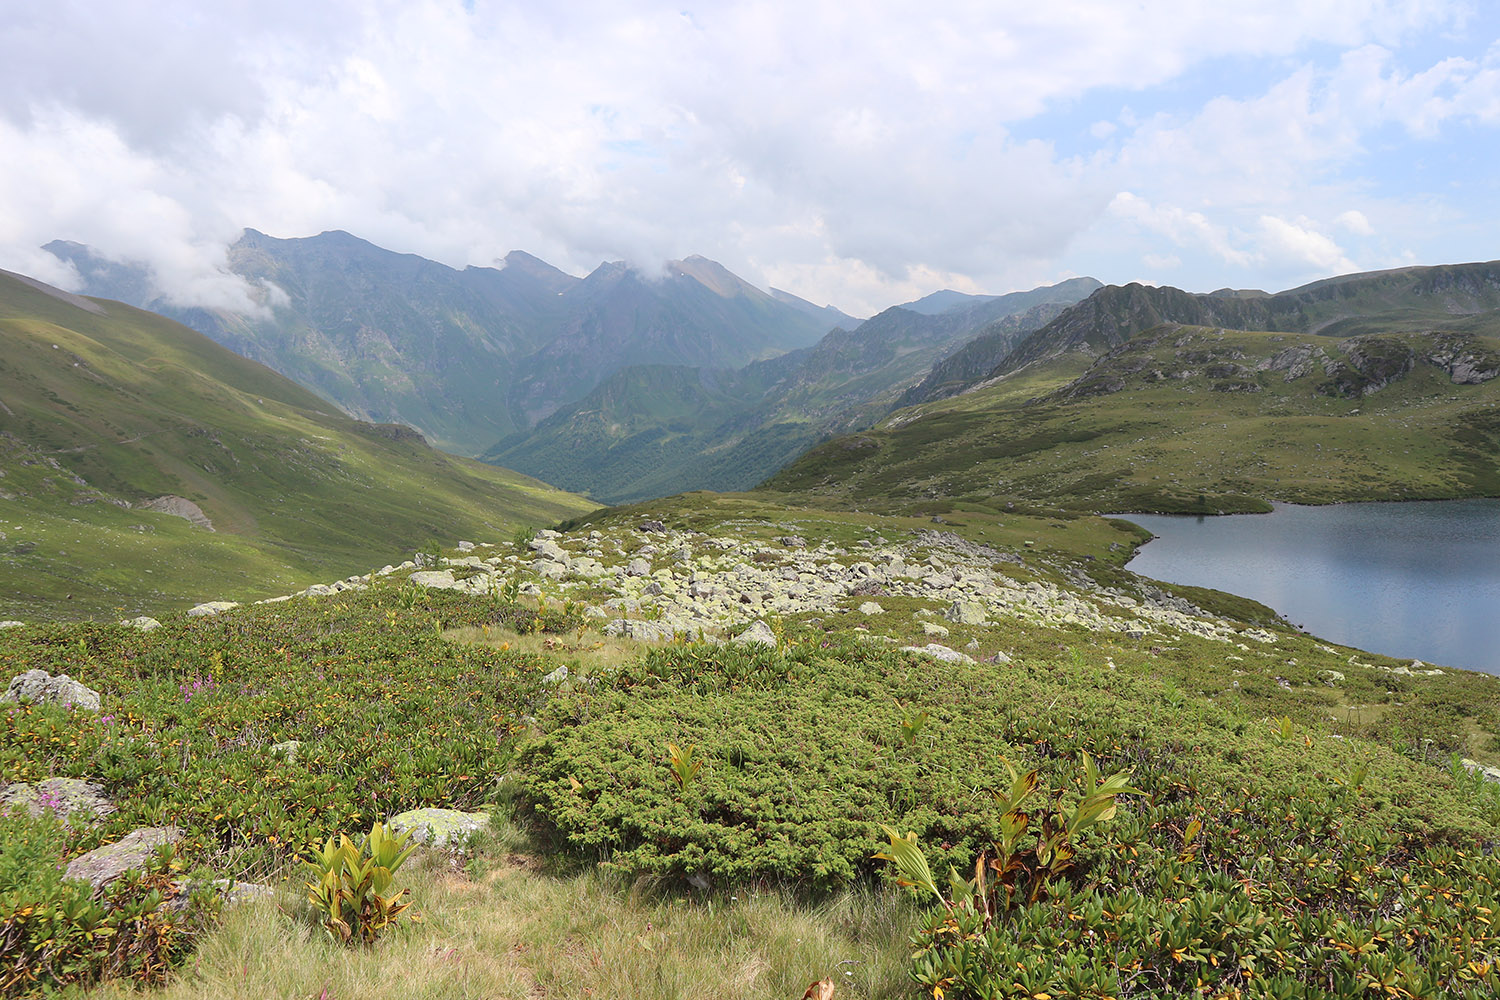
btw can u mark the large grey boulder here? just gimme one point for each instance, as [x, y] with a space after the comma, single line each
[63, 797]
[440, 827]
[42, 688]
[758, 634]
[967, 613]
[103, 865]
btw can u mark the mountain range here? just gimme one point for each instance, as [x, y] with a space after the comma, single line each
[467, 356]
[656, 430]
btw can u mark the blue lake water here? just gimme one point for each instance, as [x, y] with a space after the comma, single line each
[1419, 580]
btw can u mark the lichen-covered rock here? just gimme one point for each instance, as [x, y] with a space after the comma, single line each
[434, 579]
[938, 652]
[759, 633]
[934, 629]
[440, 827]
[63, 797]
[144, 623]
[239, 893]
[871, 608]
[967, 613]
[103, 865]
[211, 608]
[42, 688]
[646, 631]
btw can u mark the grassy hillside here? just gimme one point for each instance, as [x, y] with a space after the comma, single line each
[1193, 419]
[104, 407]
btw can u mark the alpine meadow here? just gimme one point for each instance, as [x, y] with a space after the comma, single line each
[386, 610]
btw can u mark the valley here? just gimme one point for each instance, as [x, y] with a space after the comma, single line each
[750, 727]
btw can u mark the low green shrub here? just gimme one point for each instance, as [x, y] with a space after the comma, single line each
[56, 932]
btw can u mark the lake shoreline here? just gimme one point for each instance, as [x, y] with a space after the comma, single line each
[1408, 579]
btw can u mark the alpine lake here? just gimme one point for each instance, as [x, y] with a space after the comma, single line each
[1417, 579]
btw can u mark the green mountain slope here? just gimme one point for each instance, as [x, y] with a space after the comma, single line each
[104, 407]
[656, 430]
[1192, 419]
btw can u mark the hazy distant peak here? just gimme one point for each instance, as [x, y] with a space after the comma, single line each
[714, 276]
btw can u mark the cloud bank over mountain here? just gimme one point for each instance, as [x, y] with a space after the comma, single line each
[853, 154]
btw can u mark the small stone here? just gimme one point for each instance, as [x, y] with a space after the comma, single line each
[466, 546]
[239, 893]
[871, 608]
[638, 567]
[652, 527]
[11, 623]
[557, 676]
[286, 751]
[931, 628]
[145, 623]
[938, 652]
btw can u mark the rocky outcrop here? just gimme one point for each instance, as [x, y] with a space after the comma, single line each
[179, 507]
[42, 688]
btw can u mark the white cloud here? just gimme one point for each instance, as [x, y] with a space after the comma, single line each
[1288, 246]
[1355, 222]
[848, 153]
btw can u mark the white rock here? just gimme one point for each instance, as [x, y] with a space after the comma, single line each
[434, 579]
[938, 652]
[211, 608]
[871, 608]
[931, 628]
[145, 623]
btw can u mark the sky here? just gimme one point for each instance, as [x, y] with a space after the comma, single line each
[857, 155]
